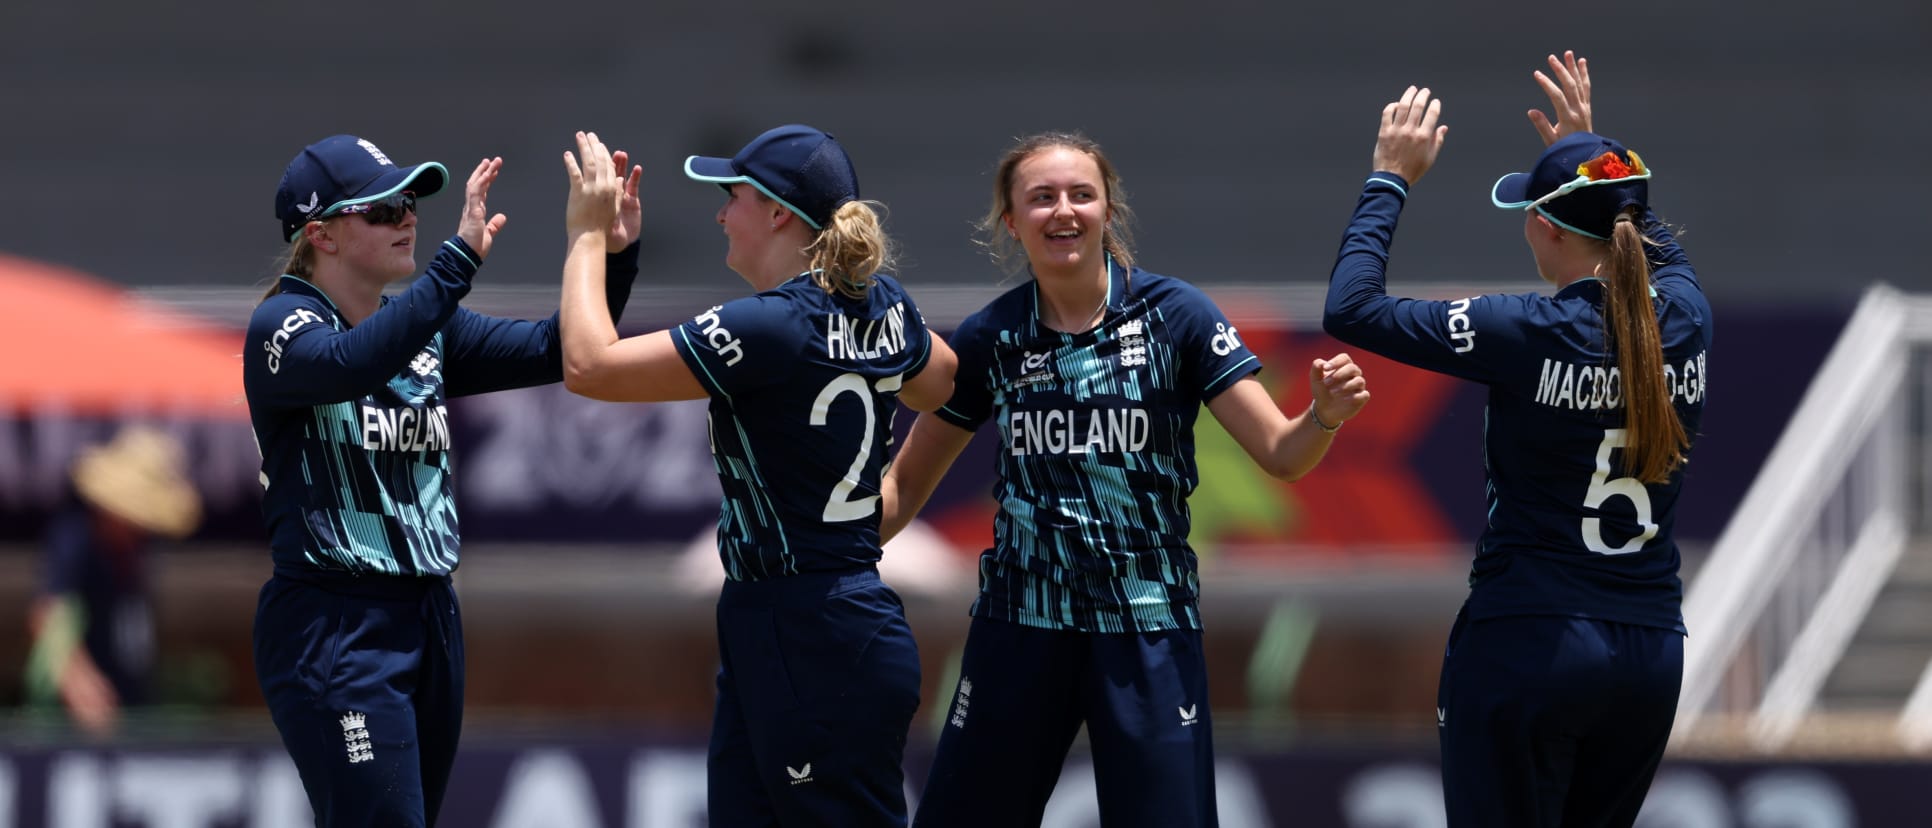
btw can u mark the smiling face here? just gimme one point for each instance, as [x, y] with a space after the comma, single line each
[1058, 210]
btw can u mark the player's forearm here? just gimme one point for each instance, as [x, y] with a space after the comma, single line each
[1356, 288]
[584, 314]
[930, 449]
[1302, 448]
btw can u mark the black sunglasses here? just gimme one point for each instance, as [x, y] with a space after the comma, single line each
[387, 210]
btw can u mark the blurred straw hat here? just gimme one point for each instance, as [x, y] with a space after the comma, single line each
[140, 477]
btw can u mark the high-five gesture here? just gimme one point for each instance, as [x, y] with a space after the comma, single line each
[1569, 96]
[1410, 139]
[594, 189]
[630, 210]
[477, 227]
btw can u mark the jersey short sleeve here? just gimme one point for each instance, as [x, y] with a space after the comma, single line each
[742, 345]
[1214, 357]
[972, 400]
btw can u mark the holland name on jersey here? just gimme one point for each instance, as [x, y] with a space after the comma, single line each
[860, 339]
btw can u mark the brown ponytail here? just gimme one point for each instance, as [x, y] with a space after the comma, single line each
[851, 248]
[299, 262]
[1654, 440]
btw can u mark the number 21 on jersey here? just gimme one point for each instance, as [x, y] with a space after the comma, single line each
[1603, 487]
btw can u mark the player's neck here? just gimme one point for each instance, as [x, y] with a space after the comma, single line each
[355, 297]
[1074, 301]
[776, 270]
[1566, 271]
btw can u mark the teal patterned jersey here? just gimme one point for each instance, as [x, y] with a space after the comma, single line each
[1096, 456]
[352, 422]
[803, 384]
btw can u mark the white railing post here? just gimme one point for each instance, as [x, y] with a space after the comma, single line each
[1760, 542]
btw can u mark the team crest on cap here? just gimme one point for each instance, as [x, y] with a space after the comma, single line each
[375, 153]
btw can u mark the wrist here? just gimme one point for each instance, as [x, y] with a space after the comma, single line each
[1316, 416]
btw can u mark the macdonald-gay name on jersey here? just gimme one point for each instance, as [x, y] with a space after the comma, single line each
[848, 338]
[405, 429]
[1063, 431]
[1594, 387]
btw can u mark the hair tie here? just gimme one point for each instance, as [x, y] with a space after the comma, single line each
[1623, 218]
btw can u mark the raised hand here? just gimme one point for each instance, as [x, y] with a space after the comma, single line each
[1339, 389]
[1410, 139]
[477, 228]
[630, 210]
[594, 189]
[1569, 96]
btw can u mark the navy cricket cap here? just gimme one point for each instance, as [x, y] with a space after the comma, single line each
[343, 170]
[1581, 182]
[795, 165]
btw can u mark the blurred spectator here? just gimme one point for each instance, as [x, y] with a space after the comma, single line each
[92, 623]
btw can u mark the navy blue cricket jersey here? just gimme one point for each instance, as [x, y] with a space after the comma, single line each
[804, 384]
[1096, 457]
[1568, 532]
[351, 421]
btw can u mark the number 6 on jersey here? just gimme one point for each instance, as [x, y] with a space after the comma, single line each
[1603, 488]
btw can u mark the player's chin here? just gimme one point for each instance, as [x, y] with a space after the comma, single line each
[402, 266]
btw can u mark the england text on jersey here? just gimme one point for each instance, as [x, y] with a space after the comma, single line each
[1595, 387]
[1059, 431]
[405, 428]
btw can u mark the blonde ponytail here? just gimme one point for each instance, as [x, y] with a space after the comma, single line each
[852, 247]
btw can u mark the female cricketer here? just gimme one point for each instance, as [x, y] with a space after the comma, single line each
[358, 640]
[820, 675]
[1093, 371]
[1561, 674]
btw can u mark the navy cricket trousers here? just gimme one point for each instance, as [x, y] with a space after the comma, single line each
[1550, 721]
[1023, 694]
[363, 676]
[817, 685]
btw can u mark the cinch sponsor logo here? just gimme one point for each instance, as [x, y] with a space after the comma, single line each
[848, 338]
[720, 338]
[1595, 387]
[405, 429]
[1461, 330]
[1226, 341]
[1059, 431]
[290, 324]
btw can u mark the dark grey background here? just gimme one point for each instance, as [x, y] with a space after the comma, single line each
[143, 142]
